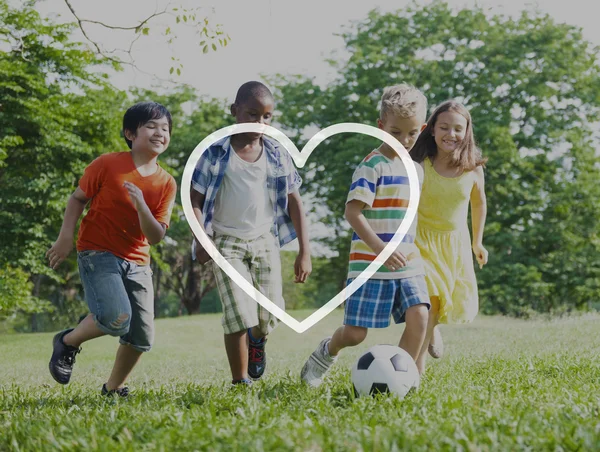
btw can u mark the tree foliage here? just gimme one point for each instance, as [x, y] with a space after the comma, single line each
[531, 85]
[56, 115]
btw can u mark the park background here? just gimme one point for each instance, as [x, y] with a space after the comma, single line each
[522, 376]
[529, 79]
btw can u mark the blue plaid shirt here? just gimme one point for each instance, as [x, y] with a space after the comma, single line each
[282, 180]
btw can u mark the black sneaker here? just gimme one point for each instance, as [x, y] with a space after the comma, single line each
[257, 358]
[63, 358]
[121, 392]
[244, 382]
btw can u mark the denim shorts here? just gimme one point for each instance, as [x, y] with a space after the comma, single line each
[120, 295]
[377, 299]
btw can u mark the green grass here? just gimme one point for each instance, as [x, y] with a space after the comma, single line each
[504, 385]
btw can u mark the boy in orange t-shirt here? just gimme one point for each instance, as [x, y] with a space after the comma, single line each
[131, 202]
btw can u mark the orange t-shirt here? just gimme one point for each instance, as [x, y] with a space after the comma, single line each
[112, 222]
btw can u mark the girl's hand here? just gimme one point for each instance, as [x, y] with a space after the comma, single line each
[59, 251]
[136, 196]
[302, 267]
[481, 254]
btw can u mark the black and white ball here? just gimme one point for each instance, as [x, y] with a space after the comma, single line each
[385, 369]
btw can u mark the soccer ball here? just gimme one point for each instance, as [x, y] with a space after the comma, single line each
[385, 369]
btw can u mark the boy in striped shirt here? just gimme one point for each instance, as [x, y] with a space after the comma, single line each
[375, 207]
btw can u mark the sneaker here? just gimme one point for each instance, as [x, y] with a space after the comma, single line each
[243, 382]
[257, 357]
[318, 364]
[121, 392]
[63, 358]
[436, 345]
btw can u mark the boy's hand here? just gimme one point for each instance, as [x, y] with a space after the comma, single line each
[481, 254]
[59, 251]
[396, 261]
[201, 255]
[136, 196]
[302, 267]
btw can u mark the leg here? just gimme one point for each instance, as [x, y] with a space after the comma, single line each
[368, 307]
[436, 344]
[127, 358]
[236, 346]
[257, 333]
[431, 322]
[265, 268]
[239, 310]
[346, 336]
[102, 277]
[140, 337]
[321, 360]
[411, 305]
[83, 332]
[414, 334]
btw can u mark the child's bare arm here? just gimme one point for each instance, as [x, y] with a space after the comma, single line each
[303, 265]
[151, 227]
[63, 246]
[478, 215]
[197, 200]
[360, 225]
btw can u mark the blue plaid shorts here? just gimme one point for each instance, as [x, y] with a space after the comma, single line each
[371, 305]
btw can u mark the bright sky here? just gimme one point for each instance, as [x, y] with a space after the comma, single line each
[267, 36]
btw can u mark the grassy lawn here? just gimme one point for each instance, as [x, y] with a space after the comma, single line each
[504, 384]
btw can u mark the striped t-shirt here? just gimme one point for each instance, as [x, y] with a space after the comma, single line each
[383, 185]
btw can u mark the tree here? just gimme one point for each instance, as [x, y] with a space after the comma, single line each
[175, 16]
[56, 115]
[15, 294]
[531, 86]
[58, 111]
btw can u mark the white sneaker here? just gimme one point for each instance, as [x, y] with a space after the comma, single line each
[318, 364]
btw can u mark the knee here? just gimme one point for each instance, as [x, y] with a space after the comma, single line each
[418, 316]
[354, 335]
[115, 324]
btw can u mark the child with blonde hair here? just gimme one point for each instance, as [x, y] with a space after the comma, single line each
[375, 207]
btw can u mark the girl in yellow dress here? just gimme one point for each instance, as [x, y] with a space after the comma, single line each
[453, 177]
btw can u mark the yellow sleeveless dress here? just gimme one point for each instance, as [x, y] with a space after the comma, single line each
[444, 241]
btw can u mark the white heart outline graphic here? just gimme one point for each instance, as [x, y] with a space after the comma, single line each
[300, 158]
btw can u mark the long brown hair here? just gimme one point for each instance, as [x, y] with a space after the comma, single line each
[467, 156]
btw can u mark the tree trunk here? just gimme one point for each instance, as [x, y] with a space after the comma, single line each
[199, 282]
[191, 299]
[157, 287]
[37, 284]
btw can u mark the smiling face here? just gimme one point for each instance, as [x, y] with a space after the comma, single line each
[449, 131]
[151, 137]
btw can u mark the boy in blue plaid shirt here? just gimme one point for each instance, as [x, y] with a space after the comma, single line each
[245, 194]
